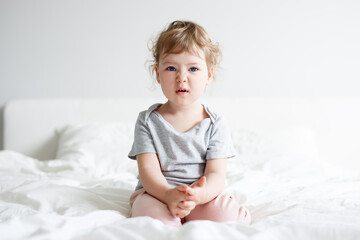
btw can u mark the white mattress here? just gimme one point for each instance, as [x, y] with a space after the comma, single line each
[59, 200]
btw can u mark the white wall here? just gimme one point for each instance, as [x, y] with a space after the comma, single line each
[89, 48]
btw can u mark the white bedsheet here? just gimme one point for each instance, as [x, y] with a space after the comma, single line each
[58, 199]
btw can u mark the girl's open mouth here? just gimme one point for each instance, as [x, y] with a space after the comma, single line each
[181, 91]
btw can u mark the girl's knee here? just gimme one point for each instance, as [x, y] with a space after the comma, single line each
[223, 208]
[146, 205]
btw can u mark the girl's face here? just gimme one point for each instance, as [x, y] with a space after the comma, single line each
[183, 77]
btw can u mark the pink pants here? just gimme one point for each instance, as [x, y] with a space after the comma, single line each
[221, 209]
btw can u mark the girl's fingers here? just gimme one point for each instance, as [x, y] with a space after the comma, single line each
[190, 191]
[187, 205]
[183, 188]
[202, 181]
[199, 183]
[181, 213]
[192, 198]
[184, 208]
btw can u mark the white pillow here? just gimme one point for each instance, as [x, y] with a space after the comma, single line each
[101, 149]
[288, 150]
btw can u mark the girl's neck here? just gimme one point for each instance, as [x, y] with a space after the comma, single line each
[183, 118]
[171, 108]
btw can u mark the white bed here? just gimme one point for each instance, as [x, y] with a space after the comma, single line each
[64, 173]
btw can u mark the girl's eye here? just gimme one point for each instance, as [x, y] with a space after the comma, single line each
[170, 69]
[193, 69]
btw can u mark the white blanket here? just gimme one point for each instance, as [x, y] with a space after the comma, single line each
[60, 199]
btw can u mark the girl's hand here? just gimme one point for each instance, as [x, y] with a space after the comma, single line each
[184, 208]
[181, 200]
[198, 188]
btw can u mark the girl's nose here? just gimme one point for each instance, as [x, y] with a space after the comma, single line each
[181, 77]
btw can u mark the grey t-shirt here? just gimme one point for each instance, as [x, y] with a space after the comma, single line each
[182, 156]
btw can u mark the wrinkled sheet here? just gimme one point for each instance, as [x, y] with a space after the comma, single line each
[58, 199]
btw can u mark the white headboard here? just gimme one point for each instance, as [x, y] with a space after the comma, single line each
[30, 124]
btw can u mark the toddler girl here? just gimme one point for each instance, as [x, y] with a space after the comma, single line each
[181, 146]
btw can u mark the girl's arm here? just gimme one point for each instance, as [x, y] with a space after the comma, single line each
[180, 200]
[214, 182]
[151, 177]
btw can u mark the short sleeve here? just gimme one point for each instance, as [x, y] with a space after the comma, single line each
[220, 144]
[143, 141]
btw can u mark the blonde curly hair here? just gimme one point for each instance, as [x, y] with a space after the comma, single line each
[186, 36]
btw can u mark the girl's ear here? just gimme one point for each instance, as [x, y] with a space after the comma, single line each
[210, 75]
[156, 67]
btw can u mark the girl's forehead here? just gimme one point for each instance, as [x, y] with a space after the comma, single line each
[184, 55]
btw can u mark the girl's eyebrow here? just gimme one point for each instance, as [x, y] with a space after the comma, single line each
[171, 62]
[168, 62]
